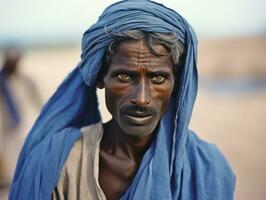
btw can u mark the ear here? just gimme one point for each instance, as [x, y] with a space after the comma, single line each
[100, 83]
[101, 74]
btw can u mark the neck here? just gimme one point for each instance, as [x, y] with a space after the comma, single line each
[118, 142]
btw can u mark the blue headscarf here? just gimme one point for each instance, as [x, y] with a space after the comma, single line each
[178, 165]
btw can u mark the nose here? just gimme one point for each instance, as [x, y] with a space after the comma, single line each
[140, 96]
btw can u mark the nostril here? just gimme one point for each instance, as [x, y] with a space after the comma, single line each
[140, 102]
[147, 101]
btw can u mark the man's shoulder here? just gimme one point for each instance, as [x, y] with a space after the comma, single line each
[92, 129]
[84, 145]
[89, 136]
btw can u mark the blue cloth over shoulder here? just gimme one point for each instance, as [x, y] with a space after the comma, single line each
[178, 165]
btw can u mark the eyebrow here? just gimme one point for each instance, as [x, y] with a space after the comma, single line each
[134, 72]
[162, 72]
[123, 71]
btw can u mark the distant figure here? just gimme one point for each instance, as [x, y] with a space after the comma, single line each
[18, 94]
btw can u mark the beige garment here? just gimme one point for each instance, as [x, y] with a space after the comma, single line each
[79, 176]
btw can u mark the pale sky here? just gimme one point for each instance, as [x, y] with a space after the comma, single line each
[63, 19]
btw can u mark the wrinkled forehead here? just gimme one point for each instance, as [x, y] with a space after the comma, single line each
[139, 52]
[140, 47]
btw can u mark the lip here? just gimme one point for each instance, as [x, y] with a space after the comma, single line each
[138, 119]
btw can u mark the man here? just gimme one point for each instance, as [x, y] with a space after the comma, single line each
[144, 55]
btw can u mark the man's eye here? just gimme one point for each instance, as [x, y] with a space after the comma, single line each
[158, 79]
[123, 77]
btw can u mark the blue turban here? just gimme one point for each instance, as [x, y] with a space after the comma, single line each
[178, 165]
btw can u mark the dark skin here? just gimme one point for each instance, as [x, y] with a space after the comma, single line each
[138, 87]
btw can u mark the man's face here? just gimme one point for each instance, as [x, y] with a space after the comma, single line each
[138, 86]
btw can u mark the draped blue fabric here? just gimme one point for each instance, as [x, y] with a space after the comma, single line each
[178, 165]
[8, 99]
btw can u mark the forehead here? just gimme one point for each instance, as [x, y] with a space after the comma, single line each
[133, 54]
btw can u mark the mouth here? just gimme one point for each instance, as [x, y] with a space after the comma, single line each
[138, 118]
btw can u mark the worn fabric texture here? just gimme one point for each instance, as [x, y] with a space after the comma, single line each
[79, 176]
[178, 165]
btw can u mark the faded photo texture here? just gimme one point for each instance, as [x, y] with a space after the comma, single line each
[230, 109]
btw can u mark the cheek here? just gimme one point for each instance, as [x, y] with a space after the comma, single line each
[161, 97]
[115, 95]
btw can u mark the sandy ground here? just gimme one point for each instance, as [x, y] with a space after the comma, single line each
[236, 123]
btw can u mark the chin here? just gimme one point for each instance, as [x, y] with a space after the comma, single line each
[138, 131]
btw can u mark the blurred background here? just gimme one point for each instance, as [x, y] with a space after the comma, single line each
[40, 45]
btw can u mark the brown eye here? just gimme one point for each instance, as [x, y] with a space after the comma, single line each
[158, 79]
[124, 77]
